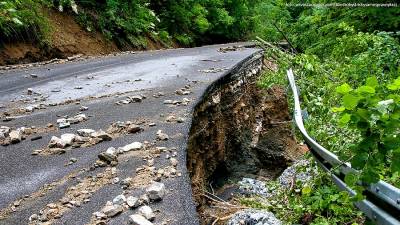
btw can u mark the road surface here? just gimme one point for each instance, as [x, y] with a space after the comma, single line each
[30, 183]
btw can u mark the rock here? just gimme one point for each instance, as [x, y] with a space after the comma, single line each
[156, 191]
[119, 200]
[132, 146]
[4, 132]
[68, 138]
[100, 215]
[15, 136]
[29, 91]
[168, 102]
[144, 199]
[107, 158]
[112, 210]
[29, 108]
[137, 219]
[83, 108]
[133, 128]
[295, 171]
[136, 98]
[63, 123]
[182, 92]
[161, 136]
[152, 124]
[85, 132]
[256, 217]
[33, 217]
[132, 202]
[173, 161]
[80, 117]
[147, 212]
[250, 186]
[56, 142]
[101, 135]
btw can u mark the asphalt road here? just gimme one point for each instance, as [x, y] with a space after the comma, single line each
[99, 84]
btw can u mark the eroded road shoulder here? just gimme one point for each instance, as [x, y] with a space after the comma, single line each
[99, 141]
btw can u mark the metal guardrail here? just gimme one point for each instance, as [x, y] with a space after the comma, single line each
[382, 202]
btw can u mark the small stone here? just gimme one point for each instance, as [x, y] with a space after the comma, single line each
[136, 98]
[106, 157]
[161, 136]
[156, 191]
[101, 135]
[174, 162]
[68, 138]
[119, 200]
[152, 124]
[144, 199]
[112, 210]
[85, 132]
[78, 87]
[132, 146]
[29, 91]
[147, 212]
[15, 136]
[56, 142]
[63, 125]
[83, 108]
[133, 128]
[100, 215]
[168, 102]
[137, 219]
[132, 202]
[33, 217]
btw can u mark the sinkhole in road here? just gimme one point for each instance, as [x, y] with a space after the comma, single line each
[238, 130]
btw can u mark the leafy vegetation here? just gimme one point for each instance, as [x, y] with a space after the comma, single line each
[130, 22]
[347, 69]
[22, 20]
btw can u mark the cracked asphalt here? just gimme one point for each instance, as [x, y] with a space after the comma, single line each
[102, 82]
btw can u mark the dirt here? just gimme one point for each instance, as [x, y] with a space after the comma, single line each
[248, 135]
[67, 38]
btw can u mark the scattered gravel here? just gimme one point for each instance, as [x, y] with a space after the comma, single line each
[250, 186]
[254, 217]
[301, 170]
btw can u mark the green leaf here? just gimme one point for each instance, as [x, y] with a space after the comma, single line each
[366, 89]
[351, 179]
[350, 101]
[306, 190]
[344, 119]
[395, 166]
[358, 161]
[372, 82]
[395, 85]
[338, 109]
[343, 89]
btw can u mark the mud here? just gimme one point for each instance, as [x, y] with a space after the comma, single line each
[238, 130]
